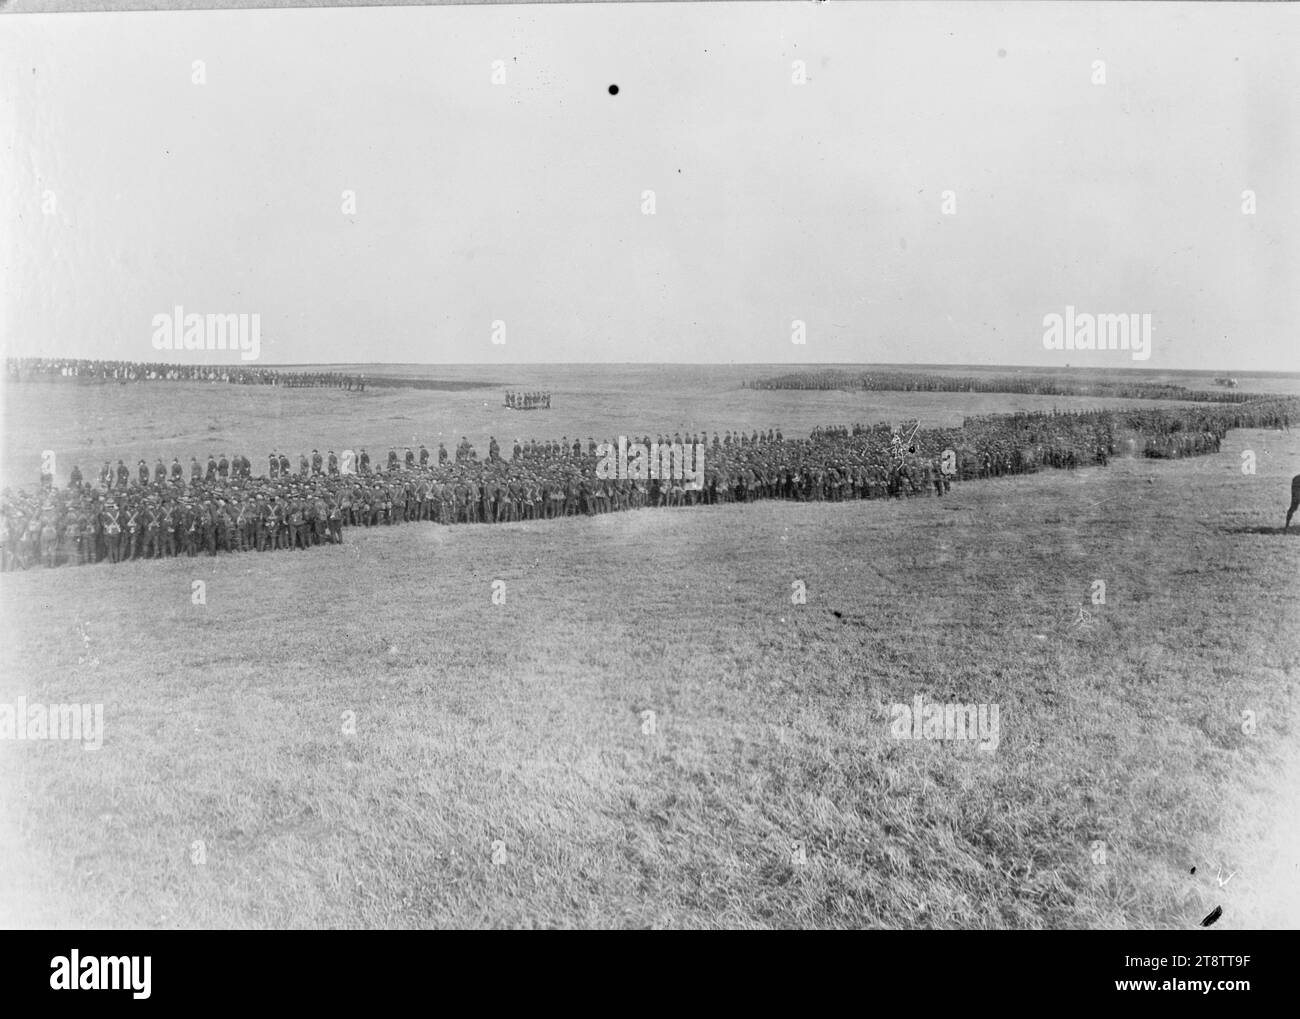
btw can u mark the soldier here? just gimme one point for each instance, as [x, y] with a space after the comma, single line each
[123, 475]
[333, 462]
[74, 479]
[304, 466]
[159, 472]
[112, 531]
[167, 526]
[442, 454]
[196, 472]
[82, 537]
[409, 458]
[274, 471]
[177, 471]
[285, 466]
[190, 527]
[236, 523]
[424, 456]
[364, 461]
[132, 531]
[315, 462]
[142, 470]
[494, 451]
[227, 534]
[460, 500]
[23, 544]
[212, 468]
[152, 530]
[286, 530]
[313, 520]
[296, 529]
[392, 458]
[106, 476]
[268, 527]
[223, 467]
[334, 516]
[473, 507]
[208, 522]
[49, 543]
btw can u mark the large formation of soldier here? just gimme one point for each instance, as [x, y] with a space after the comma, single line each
[220, 506]
[23, 368]
[1028, 383]
[528, 401]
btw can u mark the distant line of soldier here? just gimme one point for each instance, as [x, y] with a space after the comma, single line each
[1027, 383]
[20, 369]
[223, 507]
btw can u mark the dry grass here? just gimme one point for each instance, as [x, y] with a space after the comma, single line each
[522, 722]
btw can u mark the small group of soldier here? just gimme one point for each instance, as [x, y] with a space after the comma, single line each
[119, 476]
[528, 401]
[83, 524]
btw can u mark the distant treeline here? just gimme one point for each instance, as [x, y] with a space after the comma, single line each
[925, 382]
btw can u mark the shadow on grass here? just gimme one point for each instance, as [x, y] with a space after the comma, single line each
[1261, 530]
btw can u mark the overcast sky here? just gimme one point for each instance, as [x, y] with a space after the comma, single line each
[523, 202]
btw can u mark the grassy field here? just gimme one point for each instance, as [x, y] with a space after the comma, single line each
[341, 737]
[89, 423]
